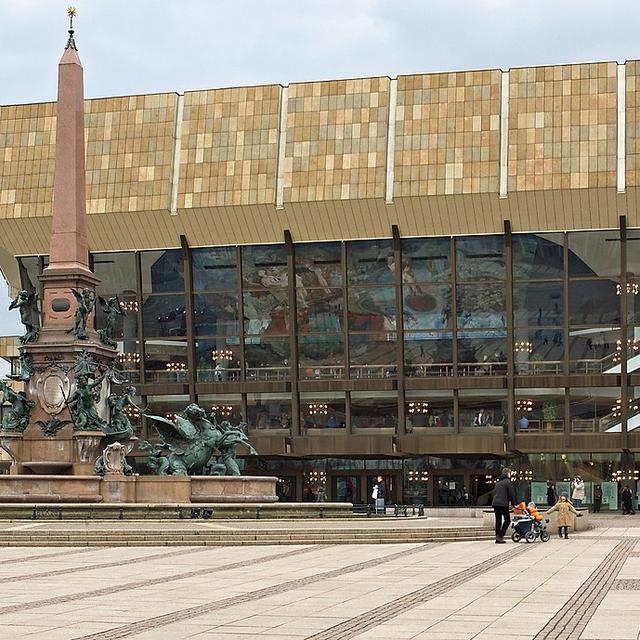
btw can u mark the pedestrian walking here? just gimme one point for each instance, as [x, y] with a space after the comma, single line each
[564, 509]
[552, 498]
[627, 501]
[597, 498]
[577, 495]
[503, 499]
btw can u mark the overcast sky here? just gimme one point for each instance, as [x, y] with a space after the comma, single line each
[143, 46]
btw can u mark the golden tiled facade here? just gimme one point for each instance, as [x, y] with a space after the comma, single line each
[447, 133]
[330, 144]
[27, 148]
[129, 152]
[336, 140]
[633, 122]
[229, 147]
[562, 127]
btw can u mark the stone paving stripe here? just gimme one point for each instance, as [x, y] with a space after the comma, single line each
[139, 584]
[193, 612]
[572, 619]
[101, 565]
[626, 585]
[375, 617]
[45, 556]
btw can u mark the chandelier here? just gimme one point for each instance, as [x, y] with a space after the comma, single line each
[224, 410]
[523, 406]
[418, 476]
[176, 367]
[129, 357]
[129, 305]
[318, 409]
[131, 412]
[522, 346]
[222, 354]
[632, 288]
[616, 410]
[418, 407]
[633, 345]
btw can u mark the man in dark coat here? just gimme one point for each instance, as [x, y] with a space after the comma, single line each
[627, 501]
[503, 499]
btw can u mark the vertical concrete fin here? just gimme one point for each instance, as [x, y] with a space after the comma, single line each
[177, 152]
[391, 140]
[282, 147]
[504, 134]
[622, 125]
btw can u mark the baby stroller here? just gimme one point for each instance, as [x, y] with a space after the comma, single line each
[529, 524]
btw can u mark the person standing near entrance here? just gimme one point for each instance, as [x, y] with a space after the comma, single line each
[627, 501]
[504, 498]
[597, 498]
[577, 495]
[551, 494]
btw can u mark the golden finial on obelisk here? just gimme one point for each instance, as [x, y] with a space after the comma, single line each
[71, 44]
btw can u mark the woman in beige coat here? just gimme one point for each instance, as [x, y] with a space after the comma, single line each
[565, 510]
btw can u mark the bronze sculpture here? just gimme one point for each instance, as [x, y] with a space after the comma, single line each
[82, 404]
[112, 310]
[188, 444]
[85, 301]
[26, 302]
[16, 418]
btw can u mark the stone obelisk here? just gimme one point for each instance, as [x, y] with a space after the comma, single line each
[50, 443]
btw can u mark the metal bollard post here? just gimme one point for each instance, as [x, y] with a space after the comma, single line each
[121, 514]
[257, 513]
[322, 512]
[421, 511]
[34, 513]
[59, 513]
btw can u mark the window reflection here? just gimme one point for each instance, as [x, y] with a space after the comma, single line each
[374, 410]
[215, 314]
[267, 358]
[595, 409]
[370, 262]
[214, 269]
[480, 258]
[372, 309]
[537, 304]
[427, 307]
[164, 316]
[482, 353]
[166, 361]
[162, 271]
[218, 359]
[266, 312]
[593, 302]
[321, 356]
[426, 260]
[318, 265]
[537, 256]
[323, 410]
[539, 410]
[481, 306]
[594, 253]
[373, 355]
[538, 351]
[594, 350]
[428, 410]
[265, 266]
[486, 409]
[427, 354]
[320, 311]
[269, 412]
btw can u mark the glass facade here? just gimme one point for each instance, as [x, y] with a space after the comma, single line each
[494, 335]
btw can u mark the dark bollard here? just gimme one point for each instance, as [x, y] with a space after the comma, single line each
[257, 513]
[59, 513]
[195, 513]
[180, 513]
[121, 514]
[34, 513]
[421, 511]
[395, 510]
[207, 514]
[368, 511]
[322, 512]
[405, 512]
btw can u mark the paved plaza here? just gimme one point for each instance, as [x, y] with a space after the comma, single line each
[585, 588]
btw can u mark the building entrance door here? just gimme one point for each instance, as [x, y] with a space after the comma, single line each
[449, 491]
[346, 489]
[482, 486]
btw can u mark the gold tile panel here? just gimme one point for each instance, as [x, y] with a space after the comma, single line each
[129, 152]
[27, 148]
[562, 127]
[447, 133]
[129, 143]
[633, 123]
[229, 147]
[336, 140]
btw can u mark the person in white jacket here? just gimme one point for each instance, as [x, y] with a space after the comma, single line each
[577, 494]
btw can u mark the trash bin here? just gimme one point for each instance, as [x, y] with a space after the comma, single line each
[380, 506]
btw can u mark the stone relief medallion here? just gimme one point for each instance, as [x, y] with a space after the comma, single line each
[53, 389]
